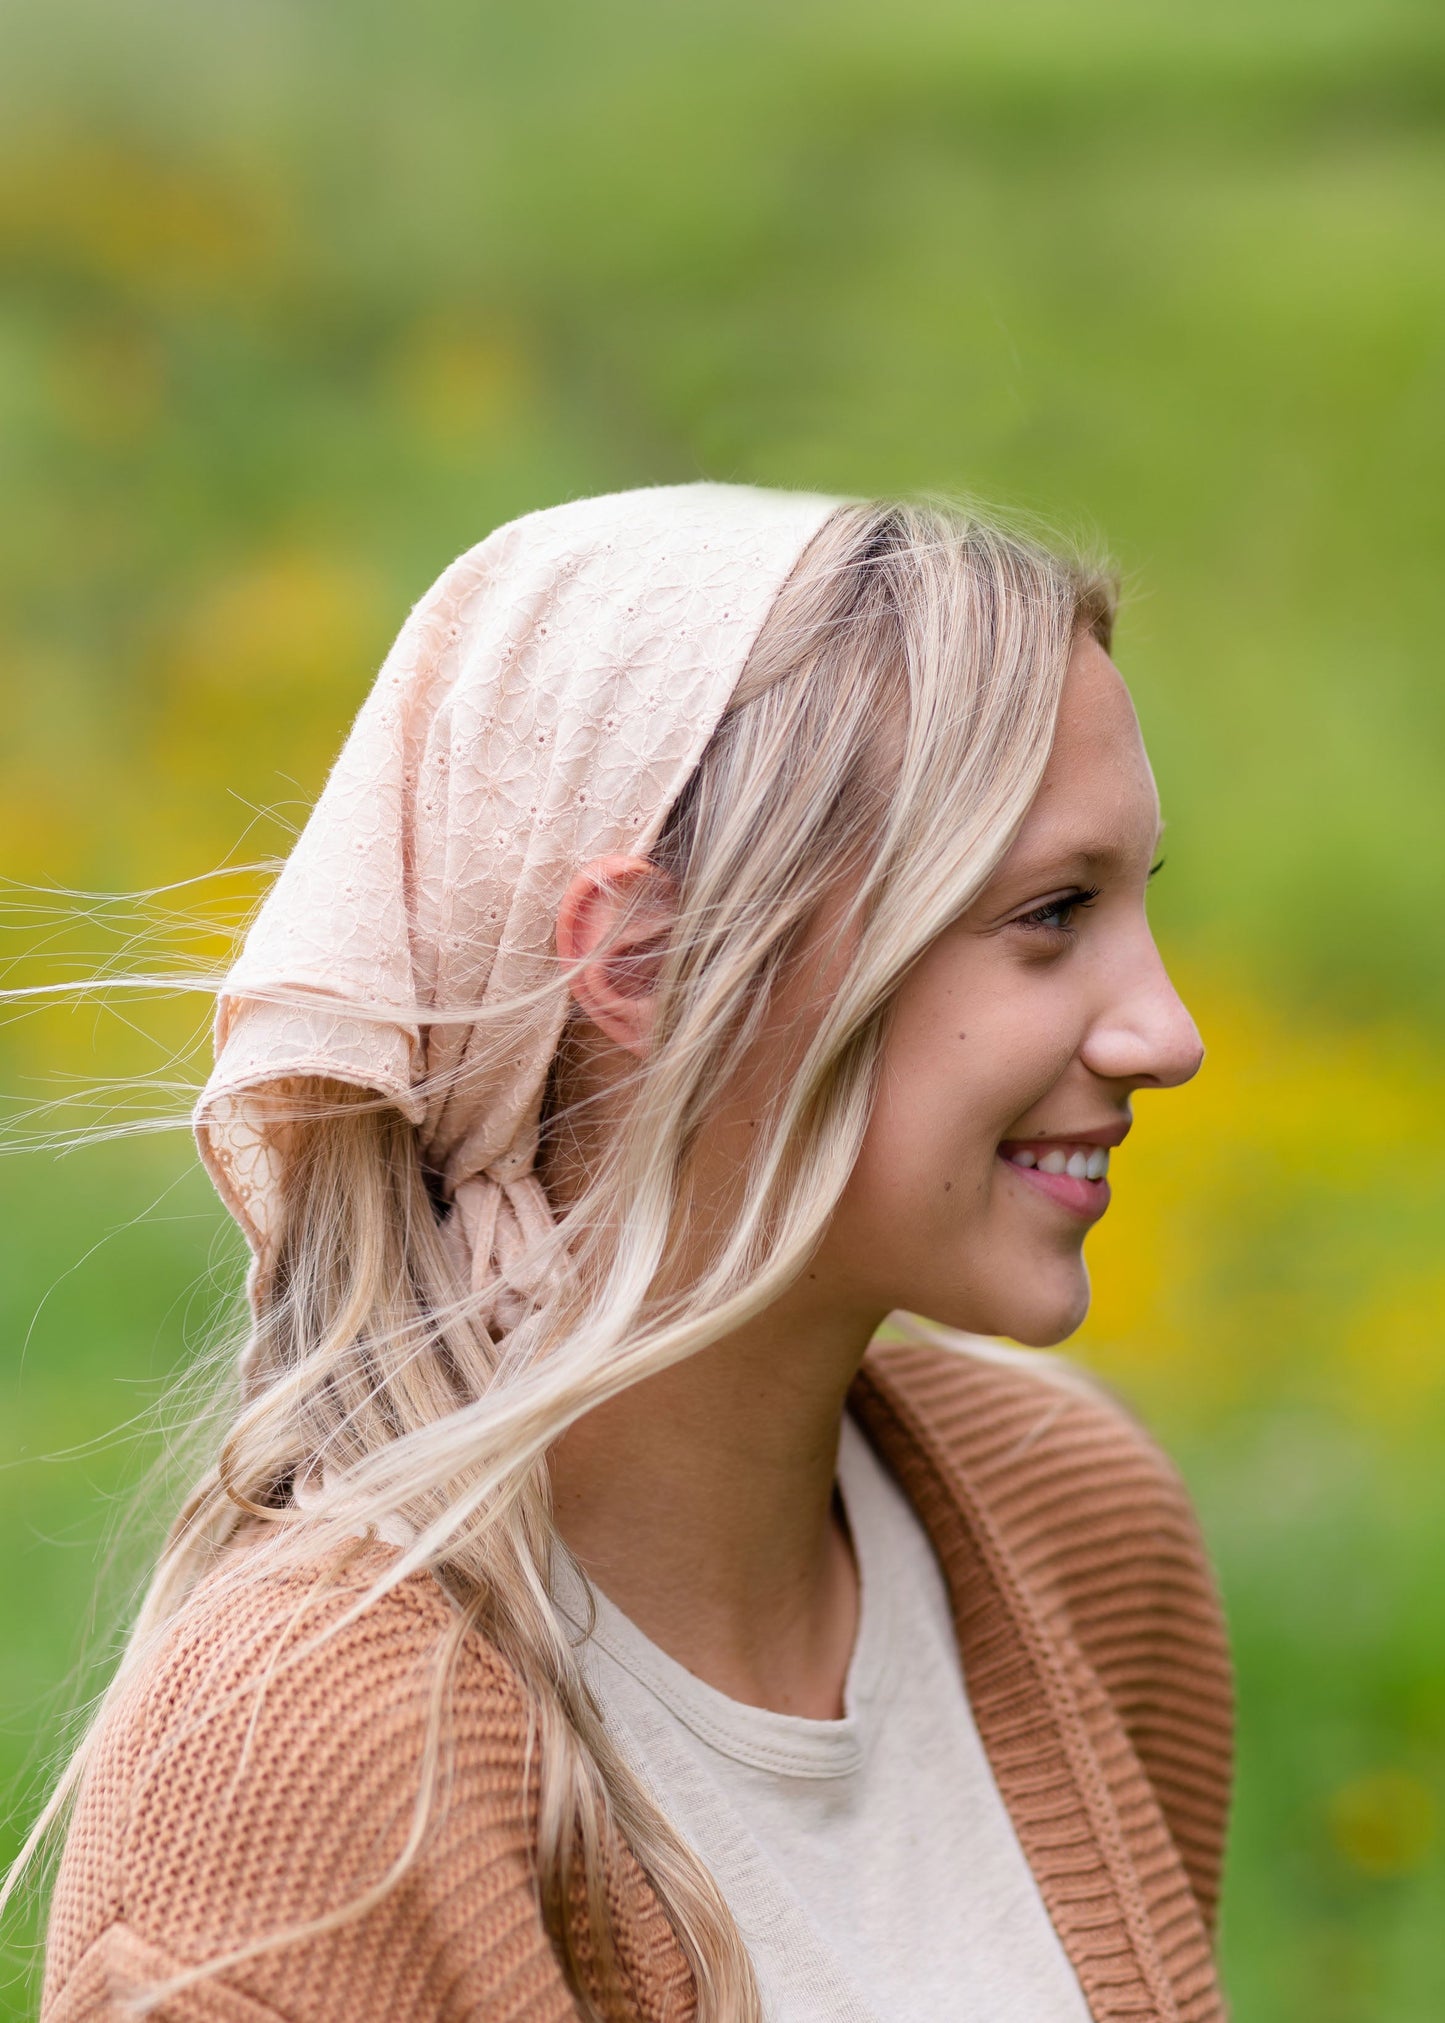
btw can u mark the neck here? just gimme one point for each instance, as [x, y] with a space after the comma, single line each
[702, 1503]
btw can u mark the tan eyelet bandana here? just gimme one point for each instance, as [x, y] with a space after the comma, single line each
[544, 704]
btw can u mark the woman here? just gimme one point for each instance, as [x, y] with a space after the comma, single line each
[724, 929]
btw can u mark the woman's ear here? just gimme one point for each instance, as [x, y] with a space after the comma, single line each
[621, 908]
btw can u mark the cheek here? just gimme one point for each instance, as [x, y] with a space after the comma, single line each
[953, 1083]
[942, 1109]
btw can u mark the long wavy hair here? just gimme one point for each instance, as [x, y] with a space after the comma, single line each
[894, 717]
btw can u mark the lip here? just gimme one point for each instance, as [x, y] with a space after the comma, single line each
[1100, 1134]
[1086, 1199]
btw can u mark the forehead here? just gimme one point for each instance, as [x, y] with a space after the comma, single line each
[1097, 800]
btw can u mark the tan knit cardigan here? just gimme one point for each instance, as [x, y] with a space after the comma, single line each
[1095, 1657]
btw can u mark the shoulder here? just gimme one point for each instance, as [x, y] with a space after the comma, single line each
[305, 1677]
[276, 1753]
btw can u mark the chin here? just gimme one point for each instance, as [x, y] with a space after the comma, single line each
[1048, 1313]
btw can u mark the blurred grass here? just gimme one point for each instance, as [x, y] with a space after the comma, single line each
[304, 300]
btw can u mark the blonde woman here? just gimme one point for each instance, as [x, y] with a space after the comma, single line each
[722, 933]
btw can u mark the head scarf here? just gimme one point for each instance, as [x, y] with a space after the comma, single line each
[544, 704]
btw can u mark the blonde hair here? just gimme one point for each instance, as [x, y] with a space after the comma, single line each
[890, 728]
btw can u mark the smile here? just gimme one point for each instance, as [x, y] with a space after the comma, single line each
[1080, 1162]
[1075, 1176]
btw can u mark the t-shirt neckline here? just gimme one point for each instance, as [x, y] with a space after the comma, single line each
[787, 1744]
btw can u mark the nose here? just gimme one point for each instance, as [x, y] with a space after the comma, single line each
[1145, 1035]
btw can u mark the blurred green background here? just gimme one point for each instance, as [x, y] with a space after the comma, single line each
[305, 299]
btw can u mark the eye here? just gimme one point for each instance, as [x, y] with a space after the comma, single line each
[1053, 918]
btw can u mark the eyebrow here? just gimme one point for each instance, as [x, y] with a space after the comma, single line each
[1094, 861]
[1094, 857]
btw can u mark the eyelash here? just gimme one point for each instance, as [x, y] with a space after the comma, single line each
[1071, 902]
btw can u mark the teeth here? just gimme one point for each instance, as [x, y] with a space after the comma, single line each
[1079, 1164]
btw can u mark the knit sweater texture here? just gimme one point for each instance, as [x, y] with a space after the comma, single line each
[1093, 1647]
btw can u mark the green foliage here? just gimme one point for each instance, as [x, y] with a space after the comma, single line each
[304, 300]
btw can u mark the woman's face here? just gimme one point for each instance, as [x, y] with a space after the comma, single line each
[1016, 1043]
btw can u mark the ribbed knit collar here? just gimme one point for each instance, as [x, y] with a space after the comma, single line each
[1041, 1727]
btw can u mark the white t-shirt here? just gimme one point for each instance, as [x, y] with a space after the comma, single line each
[870, 1862]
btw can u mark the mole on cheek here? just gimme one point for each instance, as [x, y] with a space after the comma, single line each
[947, 1186]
